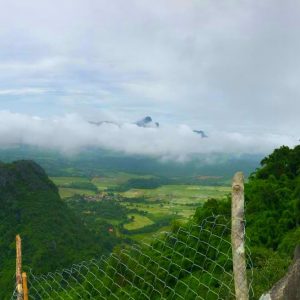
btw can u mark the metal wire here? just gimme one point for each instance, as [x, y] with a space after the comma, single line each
[192, 262]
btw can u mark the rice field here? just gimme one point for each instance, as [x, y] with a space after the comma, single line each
[179, 193]
[115, 179]
[59, 181]
[138, 221]
[179, 201]
[70, 192]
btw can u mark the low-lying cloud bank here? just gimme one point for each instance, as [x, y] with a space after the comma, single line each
[72, 133]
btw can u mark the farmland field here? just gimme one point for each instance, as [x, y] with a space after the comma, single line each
[68, 180]
[180, 200]
[138, 222]
[115, 179]
[144, 210]
[70, 186]
[69, 192]
[179, 193]
[142, 236]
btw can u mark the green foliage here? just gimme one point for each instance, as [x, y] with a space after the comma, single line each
[272, 199]
[175, 265]
[104, 209]
[212, 207]
[272, 214]
[283, 161]
[52, 235]
[143, 183]
[149, 228]
[81, 185]
[269, 266]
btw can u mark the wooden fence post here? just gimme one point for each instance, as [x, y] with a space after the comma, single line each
[238, 237]
[19, 268]
[25, 288]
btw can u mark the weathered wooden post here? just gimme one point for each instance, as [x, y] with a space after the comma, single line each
[238, 237]
[25, 287]
[19, 268]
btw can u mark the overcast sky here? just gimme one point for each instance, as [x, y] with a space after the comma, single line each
[231, 68]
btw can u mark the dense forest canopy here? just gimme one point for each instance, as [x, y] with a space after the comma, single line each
[272, 214]
[53, 236]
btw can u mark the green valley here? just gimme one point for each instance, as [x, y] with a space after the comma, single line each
[147, 209]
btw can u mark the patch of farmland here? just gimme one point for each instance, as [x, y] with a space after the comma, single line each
[69, 192]
[179, 193]
[60, 181]
[115, 179]
[139, 221]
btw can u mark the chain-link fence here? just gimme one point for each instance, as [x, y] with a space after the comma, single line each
[191, 262]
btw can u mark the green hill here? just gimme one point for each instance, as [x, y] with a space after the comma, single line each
[272, 197]
[53, 236]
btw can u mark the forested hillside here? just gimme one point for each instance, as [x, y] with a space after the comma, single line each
[53, 236]
[272, 214]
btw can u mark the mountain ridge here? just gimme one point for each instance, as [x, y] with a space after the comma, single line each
[53, 235]
[146, 122]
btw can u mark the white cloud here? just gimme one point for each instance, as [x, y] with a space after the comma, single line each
[221, 65]
[23, 91]
[71, 134]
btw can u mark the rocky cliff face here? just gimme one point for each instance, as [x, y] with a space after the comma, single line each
[288, 288]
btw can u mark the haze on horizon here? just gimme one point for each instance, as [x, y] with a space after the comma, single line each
[230, 68]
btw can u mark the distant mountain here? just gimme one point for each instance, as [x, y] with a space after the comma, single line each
[147, 122]
[53, 236]
[201, 133]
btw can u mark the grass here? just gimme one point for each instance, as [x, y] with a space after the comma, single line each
[65, 192]
[179, 193]
[69, 192]
[114, 179]
[142, 236]
[59, 181]
[138, 222]
[182, 211]
[180, 200]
